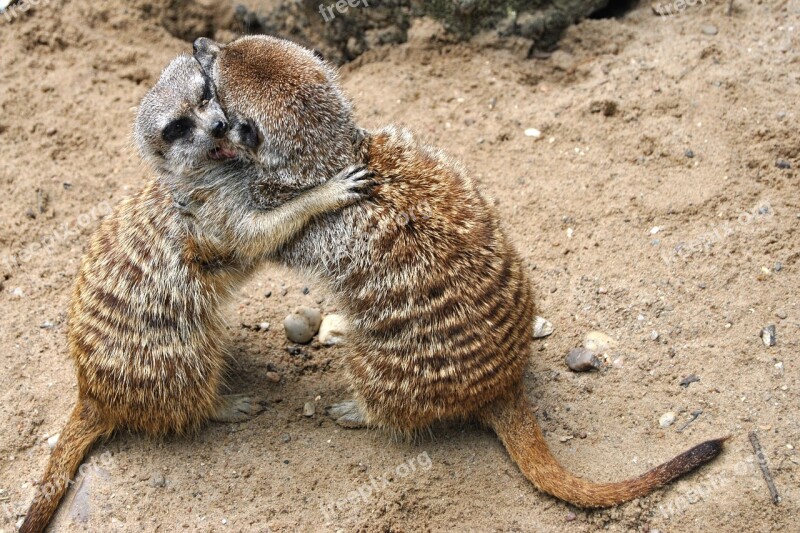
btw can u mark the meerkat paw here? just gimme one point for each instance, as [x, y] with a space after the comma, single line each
[348, 414]
[237, 408]
[354, 183]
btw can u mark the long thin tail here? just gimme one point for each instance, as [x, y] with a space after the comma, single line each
[514, 422]
[84, 427]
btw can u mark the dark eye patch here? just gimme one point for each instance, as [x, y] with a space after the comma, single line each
[177, 129]
[248, 133]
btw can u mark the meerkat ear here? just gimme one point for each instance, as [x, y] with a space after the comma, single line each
[205, 52]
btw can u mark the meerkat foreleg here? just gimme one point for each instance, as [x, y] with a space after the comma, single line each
[263, 232]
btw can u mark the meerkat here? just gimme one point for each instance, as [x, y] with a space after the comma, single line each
[440, 306]
[146, 328]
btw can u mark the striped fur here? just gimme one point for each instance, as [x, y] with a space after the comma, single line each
[439, 302]
[146, 325]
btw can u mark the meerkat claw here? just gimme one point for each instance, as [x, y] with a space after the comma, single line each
[348, 414]
[237, 408]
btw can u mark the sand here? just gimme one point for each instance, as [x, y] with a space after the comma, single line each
[623, 231]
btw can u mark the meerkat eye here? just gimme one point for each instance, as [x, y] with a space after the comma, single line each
[248, 133]
[177, 129]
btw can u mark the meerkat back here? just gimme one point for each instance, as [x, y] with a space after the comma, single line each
[441, 307]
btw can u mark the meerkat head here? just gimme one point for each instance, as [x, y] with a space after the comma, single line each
[180, 127]
[285, 106]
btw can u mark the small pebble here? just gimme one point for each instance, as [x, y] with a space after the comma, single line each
[654, 230]
[598, 342]
[654, 335]
[306, 290]
[533, 132]
[602, 290]
[302, 325]
[52, 441]
[333, 330]
[158, 480]
[769, 335]
[47, 325]
[618, 363]
[666, 420]
[264, 326]
[778, 267]
[783, 164]
[273, 377]
[542, 328]
[17, 292]
[309, 409]
[571, 517]
[709, 29]
[582, 360]
[689, 154]
[286, 438]
[267, 294]
[688, 380]
[780, 313]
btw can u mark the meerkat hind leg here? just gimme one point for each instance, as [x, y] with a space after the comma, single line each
[348, 414]
[236, 408]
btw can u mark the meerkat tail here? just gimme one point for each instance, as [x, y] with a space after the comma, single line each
[83, 428]
[515, 423]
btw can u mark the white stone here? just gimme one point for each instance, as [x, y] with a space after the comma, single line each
[302, 324]
[666, 420]
[333, 330]
[542, 328]
[598, 342]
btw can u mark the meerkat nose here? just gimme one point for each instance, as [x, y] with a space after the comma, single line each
[219, 129]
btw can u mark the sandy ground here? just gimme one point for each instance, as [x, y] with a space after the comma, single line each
[624, 232]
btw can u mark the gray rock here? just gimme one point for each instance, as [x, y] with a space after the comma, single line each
[688, 380]
[780, 313]
[309, 409]
[769, 335]
[582, 360]
[158, 480]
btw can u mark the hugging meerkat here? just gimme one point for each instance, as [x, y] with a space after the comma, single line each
[440, 308]
[146, 325]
